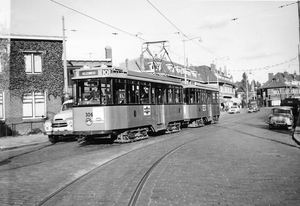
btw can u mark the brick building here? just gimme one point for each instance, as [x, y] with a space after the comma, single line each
[279, 87]
[31, 82]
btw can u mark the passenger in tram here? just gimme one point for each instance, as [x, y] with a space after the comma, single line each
[145, 95]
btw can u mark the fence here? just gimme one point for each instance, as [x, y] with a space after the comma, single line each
[23, 128]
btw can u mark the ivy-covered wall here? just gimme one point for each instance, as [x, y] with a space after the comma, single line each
[4, 61]
[51, 78]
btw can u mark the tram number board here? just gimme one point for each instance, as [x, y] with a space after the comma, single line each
[88, 73]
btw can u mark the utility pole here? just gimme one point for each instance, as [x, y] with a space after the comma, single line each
[246, 89]
[299, 34]
[65, 59]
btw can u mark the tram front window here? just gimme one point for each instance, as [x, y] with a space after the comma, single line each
[93, 92]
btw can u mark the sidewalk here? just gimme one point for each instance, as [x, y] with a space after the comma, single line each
[8, 143]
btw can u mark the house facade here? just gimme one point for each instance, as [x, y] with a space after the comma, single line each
[227, 87]
[279, 87]
[31, 82]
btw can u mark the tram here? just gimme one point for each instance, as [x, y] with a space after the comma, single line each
[125, 106]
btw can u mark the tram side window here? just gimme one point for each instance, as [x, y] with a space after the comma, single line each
[204, 97]
[119, 91]
[105, 93]
[165, 95]
[133, 93]
[201, 96]
[170, 95]
[153, 95]
[214, 99]
[145, 94]
[208, 97]
[159, 95]
[198, 96]
[192, 96]
[177, 95]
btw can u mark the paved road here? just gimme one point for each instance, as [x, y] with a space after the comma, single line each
[238, 161]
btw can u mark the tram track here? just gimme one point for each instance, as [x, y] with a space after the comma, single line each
[55, 196]
[141, 181]
[58, 194]
[10, 159]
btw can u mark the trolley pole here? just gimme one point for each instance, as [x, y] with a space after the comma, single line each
[65, 59]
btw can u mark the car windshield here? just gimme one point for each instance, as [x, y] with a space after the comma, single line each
[67, 106]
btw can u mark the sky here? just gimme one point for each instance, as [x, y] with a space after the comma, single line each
[256, 37]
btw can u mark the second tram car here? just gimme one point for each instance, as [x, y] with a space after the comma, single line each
[110, 103]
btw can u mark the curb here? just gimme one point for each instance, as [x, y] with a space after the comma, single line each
[18, 146]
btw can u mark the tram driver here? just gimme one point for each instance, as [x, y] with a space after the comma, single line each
[95, 94]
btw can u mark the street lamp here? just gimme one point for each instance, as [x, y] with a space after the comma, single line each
[184, 60]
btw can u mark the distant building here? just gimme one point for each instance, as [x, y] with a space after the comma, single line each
[227, 87]
[279, 87]
[31, 81]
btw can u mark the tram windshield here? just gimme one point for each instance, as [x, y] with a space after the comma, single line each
[92, 91]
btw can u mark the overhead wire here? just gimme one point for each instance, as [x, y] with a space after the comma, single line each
[233, 19]
[97, 20]
[179, 30]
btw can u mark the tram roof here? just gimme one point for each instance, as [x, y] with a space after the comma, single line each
[104, 72]
[108, 72]
[201, 86]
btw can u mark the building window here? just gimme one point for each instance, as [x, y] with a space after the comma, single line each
[33, 63]
[34, 105]
[1, 105]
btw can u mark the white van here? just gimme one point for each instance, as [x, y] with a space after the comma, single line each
[62, 123]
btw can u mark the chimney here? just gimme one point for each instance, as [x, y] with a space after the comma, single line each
[270, 76]
[108, 52]
[225, 71]
[108, 55]
[213, 67]
[142, 62]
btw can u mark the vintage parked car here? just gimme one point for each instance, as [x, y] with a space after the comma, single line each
[254, 105]
[62, 123]
[281, 117]
[234, 109]
[251, 109]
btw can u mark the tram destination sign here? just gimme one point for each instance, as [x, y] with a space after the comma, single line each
[88, 73]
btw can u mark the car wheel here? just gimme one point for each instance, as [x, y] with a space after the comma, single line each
[270, 126]
[53, 139]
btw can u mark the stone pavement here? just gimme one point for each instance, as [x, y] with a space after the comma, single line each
[8, 143]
